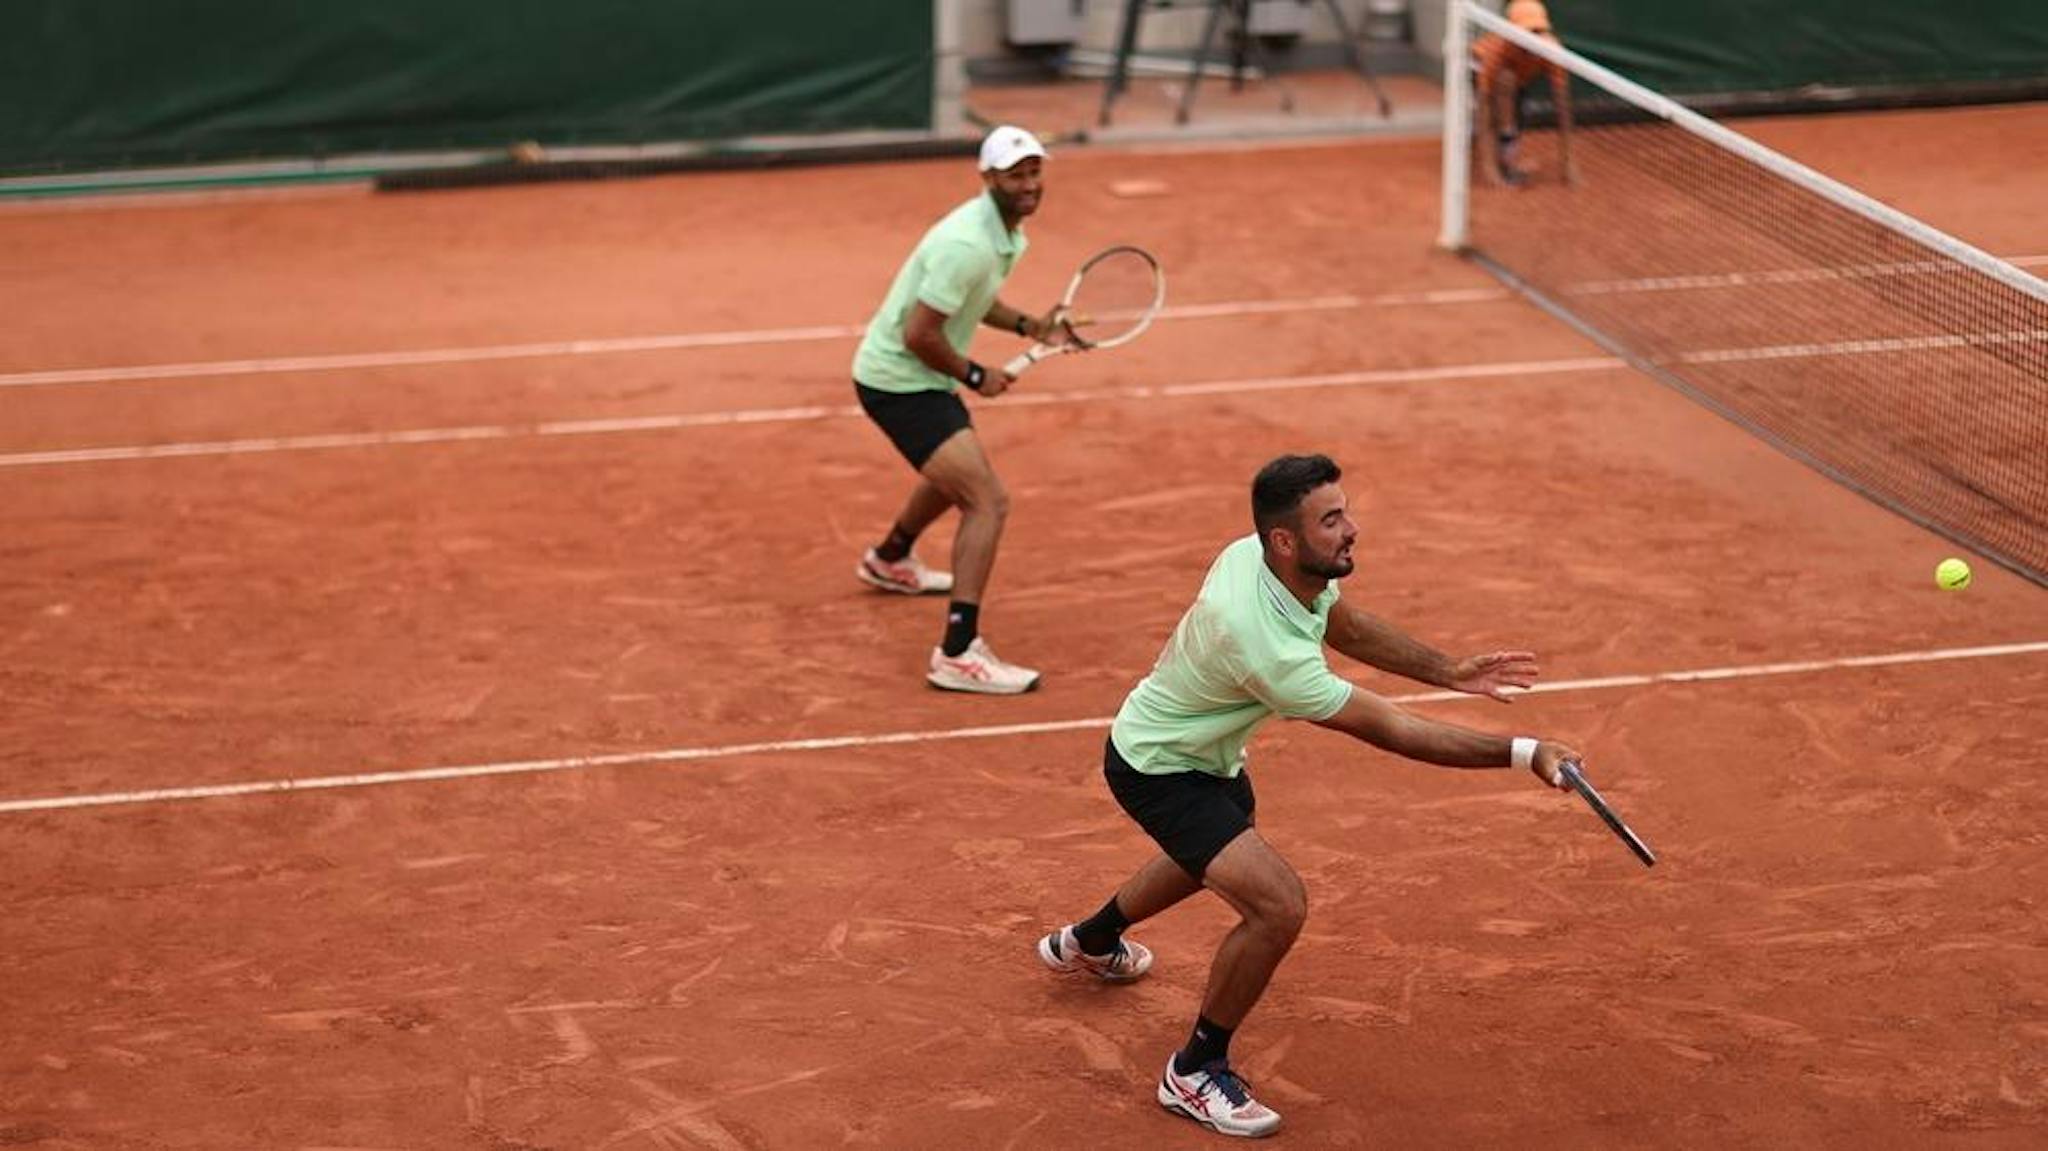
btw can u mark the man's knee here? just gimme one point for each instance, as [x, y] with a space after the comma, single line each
[963, 476]
[986, 496]
[1285, 910]
[1277, 907]
[998, 498]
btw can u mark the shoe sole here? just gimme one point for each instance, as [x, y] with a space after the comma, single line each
[976, 687]
[872, 580]
[1169, 1103]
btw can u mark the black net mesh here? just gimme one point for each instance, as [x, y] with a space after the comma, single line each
[1915, 376]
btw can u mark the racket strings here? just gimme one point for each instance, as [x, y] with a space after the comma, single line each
[1115, 298]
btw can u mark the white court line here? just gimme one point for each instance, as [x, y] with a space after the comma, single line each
[363, 361]
[1781, 276]
[782, 415]
[1862, 347]
[367, 361]
[885, 739]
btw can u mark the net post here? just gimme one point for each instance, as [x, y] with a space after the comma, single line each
[1457, 145]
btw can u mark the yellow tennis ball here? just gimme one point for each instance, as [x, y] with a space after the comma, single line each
[1952, 574]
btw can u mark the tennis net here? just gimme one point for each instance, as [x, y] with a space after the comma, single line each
[1886, 354]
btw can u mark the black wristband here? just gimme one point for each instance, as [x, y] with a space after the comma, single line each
[975, 375]
[1023, 324]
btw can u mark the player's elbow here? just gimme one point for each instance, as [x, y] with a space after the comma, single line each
[1375, 721]
[1364, 717]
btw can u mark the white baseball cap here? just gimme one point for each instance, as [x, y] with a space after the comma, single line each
[1003, 147]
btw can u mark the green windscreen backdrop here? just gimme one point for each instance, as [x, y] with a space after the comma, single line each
[1792, 46]
[124, 83]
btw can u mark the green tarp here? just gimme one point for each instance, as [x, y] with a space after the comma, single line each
[1721, 46]
[125, 83]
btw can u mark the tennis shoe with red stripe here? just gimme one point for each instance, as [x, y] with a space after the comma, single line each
[978, 669]
[907, 576]
[1062, 952]
[1217, 1098]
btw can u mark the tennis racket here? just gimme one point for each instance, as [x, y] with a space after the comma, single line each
[1576, 780]
[1108, 302]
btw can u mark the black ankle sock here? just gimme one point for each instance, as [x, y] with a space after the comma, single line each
[1209, 1044]
[896, 546]
[1098, 934]
[963, 623]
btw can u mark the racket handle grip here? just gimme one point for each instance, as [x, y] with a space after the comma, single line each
[1017, 366]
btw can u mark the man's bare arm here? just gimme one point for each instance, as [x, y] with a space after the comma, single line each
[1367, 717]
[1371, 640]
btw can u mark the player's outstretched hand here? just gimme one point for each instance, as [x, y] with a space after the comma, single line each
[1549, 763]
[1496, 674]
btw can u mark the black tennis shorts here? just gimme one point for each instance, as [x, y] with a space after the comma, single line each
[916, 422]
[1190, 814]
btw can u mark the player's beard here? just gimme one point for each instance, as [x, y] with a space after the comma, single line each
[1336, 565]
[1013, 204]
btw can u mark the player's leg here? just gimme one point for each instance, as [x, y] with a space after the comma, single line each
[1191, 817]
[1507, 119]
[1203, 823]
[960, 471]
[1480, 101]
[1272, 903]
[890, 565]
[1096, 945]
[1158, 885]
[917, 423]
[926, 504]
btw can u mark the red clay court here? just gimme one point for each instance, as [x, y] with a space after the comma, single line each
[315, 486]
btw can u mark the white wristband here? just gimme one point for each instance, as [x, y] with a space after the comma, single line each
[1522, 752]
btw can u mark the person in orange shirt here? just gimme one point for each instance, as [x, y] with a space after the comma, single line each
[1502, 72]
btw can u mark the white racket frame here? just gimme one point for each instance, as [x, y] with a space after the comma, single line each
[1075, 341]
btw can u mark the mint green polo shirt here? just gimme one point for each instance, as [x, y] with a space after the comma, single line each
[956, 269]
[1246, 650]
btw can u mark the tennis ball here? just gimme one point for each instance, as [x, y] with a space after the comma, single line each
[1952, 574]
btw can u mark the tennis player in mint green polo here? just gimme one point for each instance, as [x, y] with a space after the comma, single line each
[907, 375]
[1253, 646]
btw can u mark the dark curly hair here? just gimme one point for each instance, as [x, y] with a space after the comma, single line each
[1280, 486]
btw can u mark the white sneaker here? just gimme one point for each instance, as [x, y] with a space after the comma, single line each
[907, 576]
[978, 669]
[1218, 1099]
[1062, 952]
